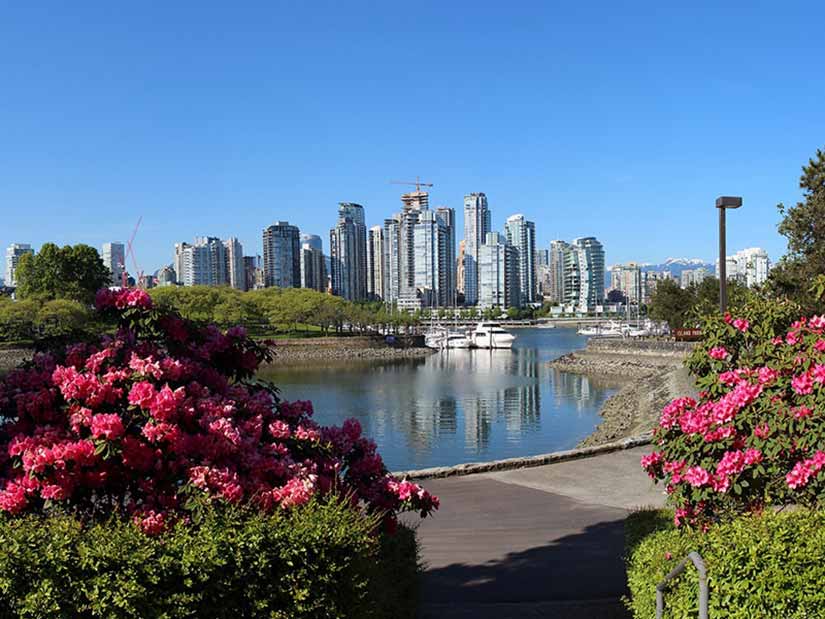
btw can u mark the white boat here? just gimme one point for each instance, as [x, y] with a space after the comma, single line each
[442, 339]
[456, 340]
[490, 335]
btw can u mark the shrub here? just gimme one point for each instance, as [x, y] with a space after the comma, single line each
[322, 560]
[757, 434]
[166, 417]
[769, 565]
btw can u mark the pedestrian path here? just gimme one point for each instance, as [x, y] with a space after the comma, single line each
[538, 542]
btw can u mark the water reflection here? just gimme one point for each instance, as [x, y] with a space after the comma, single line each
[459, 405]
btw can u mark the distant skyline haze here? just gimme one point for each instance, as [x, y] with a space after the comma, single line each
[623, 122]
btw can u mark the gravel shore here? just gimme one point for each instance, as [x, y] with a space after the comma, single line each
[647, 381]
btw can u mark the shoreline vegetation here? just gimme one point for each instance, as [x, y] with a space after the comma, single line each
[649, 374]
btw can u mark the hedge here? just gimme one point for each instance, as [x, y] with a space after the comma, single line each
[768, 565]
[322, 560]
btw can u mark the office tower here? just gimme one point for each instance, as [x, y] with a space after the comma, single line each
[313, 267]
[392, 259]
[499, 279]
[253, 273]
[447, 216]
[14, 252]
[114, 259]
[627, 278]
[521, 234]
[430, 259]
[459, 269]
[235, 275]
[408, 218]
[202, 263]
[584, 273]
[348, 253]
[375, 263]
[476, 227]
[282, 255]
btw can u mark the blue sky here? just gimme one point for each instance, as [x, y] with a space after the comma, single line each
[619, 120]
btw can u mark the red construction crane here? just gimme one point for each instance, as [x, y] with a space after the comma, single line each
[418, 184]
[130, 252]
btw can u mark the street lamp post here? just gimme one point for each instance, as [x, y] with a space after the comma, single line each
[723, 203]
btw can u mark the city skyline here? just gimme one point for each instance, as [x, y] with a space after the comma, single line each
[238, 133]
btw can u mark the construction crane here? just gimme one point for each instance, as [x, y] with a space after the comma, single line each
[418, 184]
[130, 252]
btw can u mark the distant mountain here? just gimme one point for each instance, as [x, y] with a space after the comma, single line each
[677, 265]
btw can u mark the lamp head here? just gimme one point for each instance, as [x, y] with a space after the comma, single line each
[728, 202]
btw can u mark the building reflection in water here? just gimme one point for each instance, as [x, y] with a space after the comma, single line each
[458, 405]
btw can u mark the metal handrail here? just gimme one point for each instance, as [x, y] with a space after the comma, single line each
[703, 585]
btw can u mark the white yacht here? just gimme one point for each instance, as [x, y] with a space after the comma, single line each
[442, 339]
[490, 335]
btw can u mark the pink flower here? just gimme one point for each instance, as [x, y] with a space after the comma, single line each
[697, 477]
[817, 322]
[741, 324]
[819, 345]
[819, 373]
[802, 384]
[753, 456]
[767, 375]
[718, 352]
[762, 430]
[108, 426]
[142, 394]
[801, 412]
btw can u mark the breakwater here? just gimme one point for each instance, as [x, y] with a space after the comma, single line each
[365, 348]
[649, 373]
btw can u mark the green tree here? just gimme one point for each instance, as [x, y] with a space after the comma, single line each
[804, 227]
[671, 303]
[61, 318]
[71, 272]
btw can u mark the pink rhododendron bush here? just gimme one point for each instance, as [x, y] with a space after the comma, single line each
[164, 416]
[756, 435]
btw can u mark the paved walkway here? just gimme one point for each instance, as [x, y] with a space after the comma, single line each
[538, 542]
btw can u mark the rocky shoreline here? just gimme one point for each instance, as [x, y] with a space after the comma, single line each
[647, 380]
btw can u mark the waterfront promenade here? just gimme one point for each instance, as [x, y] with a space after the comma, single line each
[537, 542]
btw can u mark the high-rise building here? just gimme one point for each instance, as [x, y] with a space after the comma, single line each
[235, 275]
[282, 255]
[692, 277]
[476, 227]
[749, 266]
[202, 263]
[375, 263]
[313, 267]
[521, 234]
[459, 269]
[431, 277]
[313, 240]
[627, 278]
[416, 200]
[253, 273]
[14, 252]
[392, 259]
[348, 253]
[114, 259]
[558, 256]
[166, 276]
[584, 274]
[499, 280]
[447, 216]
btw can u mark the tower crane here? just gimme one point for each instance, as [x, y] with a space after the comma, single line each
[131, 253]
[418, 184]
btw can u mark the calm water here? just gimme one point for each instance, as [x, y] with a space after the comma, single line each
[460, 405]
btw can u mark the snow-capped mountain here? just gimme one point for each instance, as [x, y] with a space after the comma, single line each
[685, 262]
[677, 265]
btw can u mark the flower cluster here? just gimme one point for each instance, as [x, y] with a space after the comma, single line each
[164, 415]
[756, 434]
